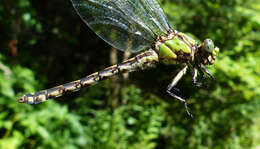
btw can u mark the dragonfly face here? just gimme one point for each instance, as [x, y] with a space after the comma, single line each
[208, 52]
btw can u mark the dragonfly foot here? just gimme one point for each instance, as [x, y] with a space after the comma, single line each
[187, 110]
[200, 84]
[197, 84]
[181, 99]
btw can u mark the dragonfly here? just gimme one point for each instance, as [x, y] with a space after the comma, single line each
[138, 26]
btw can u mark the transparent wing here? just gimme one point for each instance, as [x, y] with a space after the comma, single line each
[125, 24]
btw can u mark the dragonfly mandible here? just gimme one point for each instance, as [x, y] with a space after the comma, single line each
[136, 25]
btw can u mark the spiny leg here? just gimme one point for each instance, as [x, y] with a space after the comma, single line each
[194, 78]
[175, 80]
[205, 70]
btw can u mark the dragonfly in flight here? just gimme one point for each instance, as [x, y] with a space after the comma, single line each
[136, 25]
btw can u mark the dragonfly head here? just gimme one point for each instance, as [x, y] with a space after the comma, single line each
[208, 52]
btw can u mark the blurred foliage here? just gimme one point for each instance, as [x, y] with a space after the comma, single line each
[45, 44]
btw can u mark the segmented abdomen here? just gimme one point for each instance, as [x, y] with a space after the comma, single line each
[141, 61]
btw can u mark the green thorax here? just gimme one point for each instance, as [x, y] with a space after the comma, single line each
[174, 44]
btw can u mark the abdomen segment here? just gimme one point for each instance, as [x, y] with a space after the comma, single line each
[144, 60]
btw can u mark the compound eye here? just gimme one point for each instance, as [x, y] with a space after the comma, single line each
[208, 45]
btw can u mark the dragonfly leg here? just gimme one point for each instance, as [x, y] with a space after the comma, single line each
[195, 81]
[205, 70]
[175, 80]
[194, 78]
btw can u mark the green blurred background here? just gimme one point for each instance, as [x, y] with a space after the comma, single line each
[45, 43]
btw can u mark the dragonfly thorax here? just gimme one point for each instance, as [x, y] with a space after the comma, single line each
[175, 46]
[181, 48]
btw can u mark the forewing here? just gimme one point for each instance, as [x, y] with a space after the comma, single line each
[125, 24]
